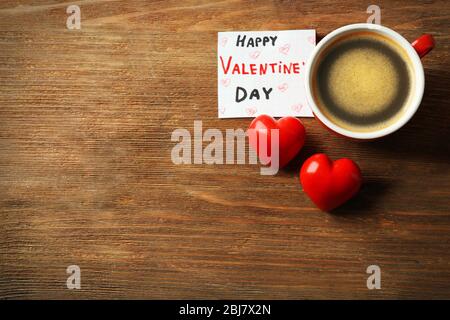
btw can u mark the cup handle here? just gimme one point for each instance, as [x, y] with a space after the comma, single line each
[423, 44]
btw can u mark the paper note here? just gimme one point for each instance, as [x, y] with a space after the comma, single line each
[263, 72]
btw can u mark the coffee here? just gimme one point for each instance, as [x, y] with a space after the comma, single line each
[363, 81]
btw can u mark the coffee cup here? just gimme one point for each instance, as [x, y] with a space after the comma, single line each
[365, 81]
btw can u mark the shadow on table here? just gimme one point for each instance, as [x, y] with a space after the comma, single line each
[293, 167]
[366, 199]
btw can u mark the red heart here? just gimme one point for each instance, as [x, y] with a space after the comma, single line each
[291, 137]
[329, 184]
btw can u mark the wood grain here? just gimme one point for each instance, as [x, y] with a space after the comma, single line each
[86, 176]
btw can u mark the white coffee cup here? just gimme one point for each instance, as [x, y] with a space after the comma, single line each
[415, 51]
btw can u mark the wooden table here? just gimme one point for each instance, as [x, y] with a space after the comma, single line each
[86, 176]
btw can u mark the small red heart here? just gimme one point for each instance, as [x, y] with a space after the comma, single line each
[251, 111]
[329, 184]
[225, 82]
[255, 54]
[291, 137]
[285, 49]
[283, 87]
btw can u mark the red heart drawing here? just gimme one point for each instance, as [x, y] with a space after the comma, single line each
[250, 111]
[225, 82]
[285, 49]
[224, 41]
[291, 137]
[255, 54]
[283, 87]
[297, 107]
[330, 183]
[312, 39]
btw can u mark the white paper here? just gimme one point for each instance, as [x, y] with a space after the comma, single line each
[263, 53]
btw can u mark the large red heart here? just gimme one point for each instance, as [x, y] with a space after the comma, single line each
[329, 184]
[291, 137]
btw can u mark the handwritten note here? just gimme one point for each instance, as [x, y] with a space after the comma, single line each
[262, 72]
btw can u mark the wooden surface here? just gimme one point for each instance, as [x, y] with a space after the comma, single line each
[86, 176]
